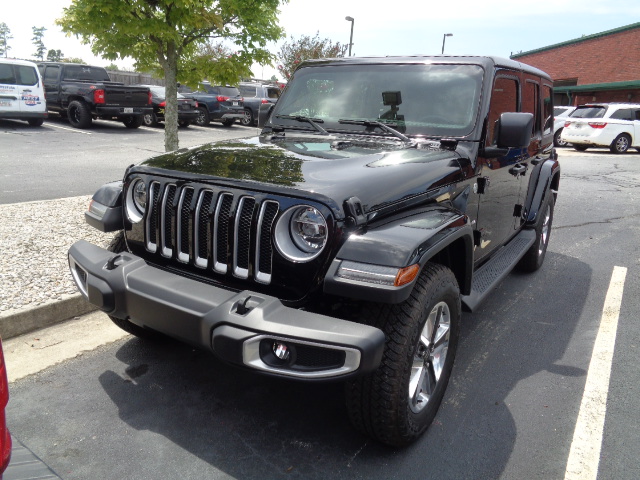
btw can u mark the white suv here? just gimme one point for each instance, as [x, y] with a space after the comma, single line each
[613, 125]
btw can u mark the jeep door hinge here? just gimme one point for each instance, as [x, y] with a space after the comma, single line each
[353, 208]
[517, 210]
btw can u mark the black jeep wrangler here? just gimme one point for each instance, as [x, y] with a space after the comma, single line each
[381, 197]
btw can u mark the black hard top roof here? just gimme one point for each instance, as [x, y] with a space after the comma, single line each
[488, 62]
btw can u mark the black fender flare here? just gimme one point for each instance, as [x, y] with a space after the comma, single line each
[105, 210]
[544, 181]
[438, 233]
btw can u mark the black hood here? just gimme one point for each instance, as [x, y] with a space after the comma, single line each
[377, 173]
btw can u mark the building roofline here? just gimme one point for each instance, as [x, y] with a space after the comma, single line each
[631, 84]
[578, 40]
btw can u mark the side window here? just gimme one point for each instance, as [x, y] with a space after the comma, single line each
[51, 74]
[503, 99]
[26, 75]
[7, 76]
[622, 114]
[547, 109]
[531, 103]
[637, 114]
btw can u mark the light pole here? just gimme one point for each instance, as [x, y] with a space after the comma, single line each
[444, 37]
[350, 19]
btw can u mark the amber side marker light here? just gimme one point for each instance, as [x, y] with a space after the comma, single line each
[406, 275]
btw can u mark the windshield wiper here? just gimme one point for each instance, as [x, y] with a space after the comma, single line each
[375, 123]
[313, 121]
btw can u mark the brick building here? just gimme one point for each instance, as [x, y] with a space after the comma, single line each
[604, 67]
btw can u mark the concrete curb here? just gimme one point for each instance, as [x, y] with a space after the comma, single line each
[19, 321]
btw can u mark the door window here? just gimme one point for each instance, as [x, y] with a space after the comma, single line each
[503, 100]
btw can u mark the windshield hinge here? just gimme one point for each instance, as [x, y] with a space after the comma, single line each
[353, 208]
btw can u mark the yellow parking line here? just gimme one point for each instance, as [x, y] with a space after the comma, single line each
[584, 455]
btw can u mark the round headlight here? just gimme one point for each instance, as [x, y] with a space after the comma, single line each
[140, 195]
[301, 233]
[308, 229]
[136, 200]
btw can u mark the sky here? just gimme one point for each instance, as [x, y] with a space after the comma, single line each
[405, 27]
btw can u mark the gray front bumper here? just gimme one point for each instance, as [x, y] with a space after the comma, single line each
[214, 318]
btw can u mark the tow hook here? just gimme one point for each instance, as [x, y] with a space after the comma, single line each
[111, 264]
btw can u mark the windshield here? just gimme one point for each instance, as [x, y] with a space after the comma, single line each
[430, 100]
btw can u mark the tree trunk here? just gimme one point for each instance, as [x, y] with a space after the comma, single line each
[171, 108]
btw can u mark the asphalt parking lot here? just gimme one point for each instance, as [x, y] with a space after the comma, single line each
[134, 409]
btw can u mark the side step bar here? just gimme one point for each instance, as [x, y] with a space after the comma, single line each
[487, 277]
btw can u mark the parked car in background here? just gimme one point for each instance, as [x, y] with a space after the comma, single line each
[22, 92]
[216, 103]
[256, 94]
[560, 114]
[187, 108]
[83, 93]
[612, 125]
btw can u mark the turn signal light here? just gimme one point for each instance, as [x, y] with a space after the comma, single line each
[406, 275]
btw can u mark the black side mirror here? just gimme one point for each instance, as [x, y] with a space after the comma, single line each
[514, 130]
[264, 112]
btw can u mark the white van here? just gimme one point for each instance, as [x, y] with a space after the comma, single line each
[21, 92]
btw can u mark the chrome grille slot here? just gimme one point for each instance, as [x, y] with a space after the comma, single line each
[242, 237]
[221, 233]
[202, 223]
[264, 248]
[182, 236]
[166, 220]
[152, 218]
[211, 229]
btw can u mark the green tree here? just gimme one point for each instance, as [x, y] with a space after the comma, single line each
[5, 36]
[295, 51]
[74, 60]
[54, 55]
[38, 33]
[166, 37]
[112, 67]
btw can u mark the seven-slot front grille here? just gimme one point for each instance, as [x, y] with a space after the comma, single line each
[211, 229]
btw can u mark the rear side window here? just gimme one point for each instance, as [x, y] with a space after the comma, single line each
[273, 93]
[622, 114]
[248, 91]
[588, 112]
[229, 91]
[18, 75]
[82, 72]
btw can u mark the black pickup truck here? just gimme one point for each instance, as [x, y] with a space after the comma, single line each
[83, 93]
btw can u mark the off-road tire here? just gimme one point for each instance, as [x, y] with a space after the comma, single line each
[203, 118]
[621, 143]
[118, 245]
[133, 121]
[534, 257]
[379, 404]
[228, 123]
[79, 114]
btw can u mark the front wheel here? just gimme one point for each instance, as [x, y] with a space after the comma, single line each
[396, 403]
[228, 122]
[203, 117]
[35, 122]
[150, 120]
[557, 141]
[621, 144]
[580, 148]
